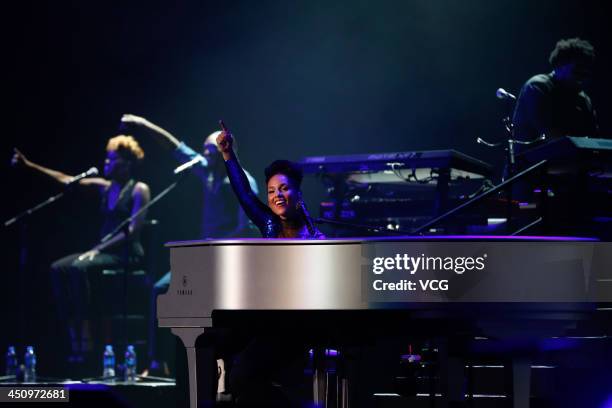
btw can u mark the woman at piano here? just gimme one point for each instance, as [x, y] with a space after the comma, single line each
[286, 215]
[266, 358]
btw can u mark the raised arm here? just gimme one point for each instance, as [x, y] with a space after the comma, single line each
[181, 152]
[166, 139]
[257, 211]
[20, 160]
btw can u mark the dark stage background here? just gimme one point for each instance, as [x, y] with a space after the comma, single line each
[291, 79]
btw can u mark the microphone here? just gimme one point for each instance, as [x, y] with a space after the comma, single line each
[501, 93]
[307, 218]
[89, 173]
[190, 164]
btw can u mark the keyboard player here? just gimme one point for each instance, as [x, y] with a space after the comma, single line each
[555, 104]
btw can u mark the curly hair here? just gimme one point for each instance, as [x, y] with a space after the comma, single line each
[126, 146]
[292, 170]
[572, 50]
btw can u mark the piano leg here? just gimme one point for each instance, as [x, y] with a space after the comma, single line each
[319, 378]
[452, 375]
[200, 359]
[320, 388]
[322, 397]
[521, 381]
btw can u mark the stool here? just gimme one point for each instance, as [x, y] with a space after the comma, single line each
[134, 322]
[129, 295]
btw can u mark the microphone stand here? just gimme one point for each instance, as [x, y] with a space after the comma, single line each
[124, 227]
[510, 162]
[510, 149]
[52, 199]
[33, 210]
[21, 219]
[144, 208]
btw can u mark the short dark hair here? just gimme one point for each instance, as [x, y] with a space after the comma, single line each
[292, 170]
[572, 50]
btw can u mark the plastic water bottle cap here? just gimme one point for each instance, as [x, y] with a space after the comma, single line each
[11, 349]
[109, 347]
[30, 349]
[130, 348]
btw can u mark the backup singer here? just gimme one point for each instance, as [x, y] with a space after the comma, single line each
[121, 196]
[221, 215]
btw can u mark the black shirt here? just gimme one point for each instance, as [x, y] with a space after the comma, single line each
[547, 106]
[116, 215]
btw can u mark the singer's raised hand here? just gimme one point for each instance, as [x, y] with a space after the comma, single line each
[89, 255]
[137, 120]
[225, 144]
[161, 135]
[19, 159]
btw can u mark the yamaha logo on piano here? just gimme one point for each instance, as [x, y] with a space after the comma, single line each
[184, 292]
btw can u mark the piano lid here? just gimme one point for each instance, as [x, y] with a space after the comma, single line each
[355, 240]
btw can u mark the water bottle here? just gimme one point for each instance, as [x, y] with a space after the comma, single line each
[130, 364]
[11, 361]
[108, 362]
[29, 375]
